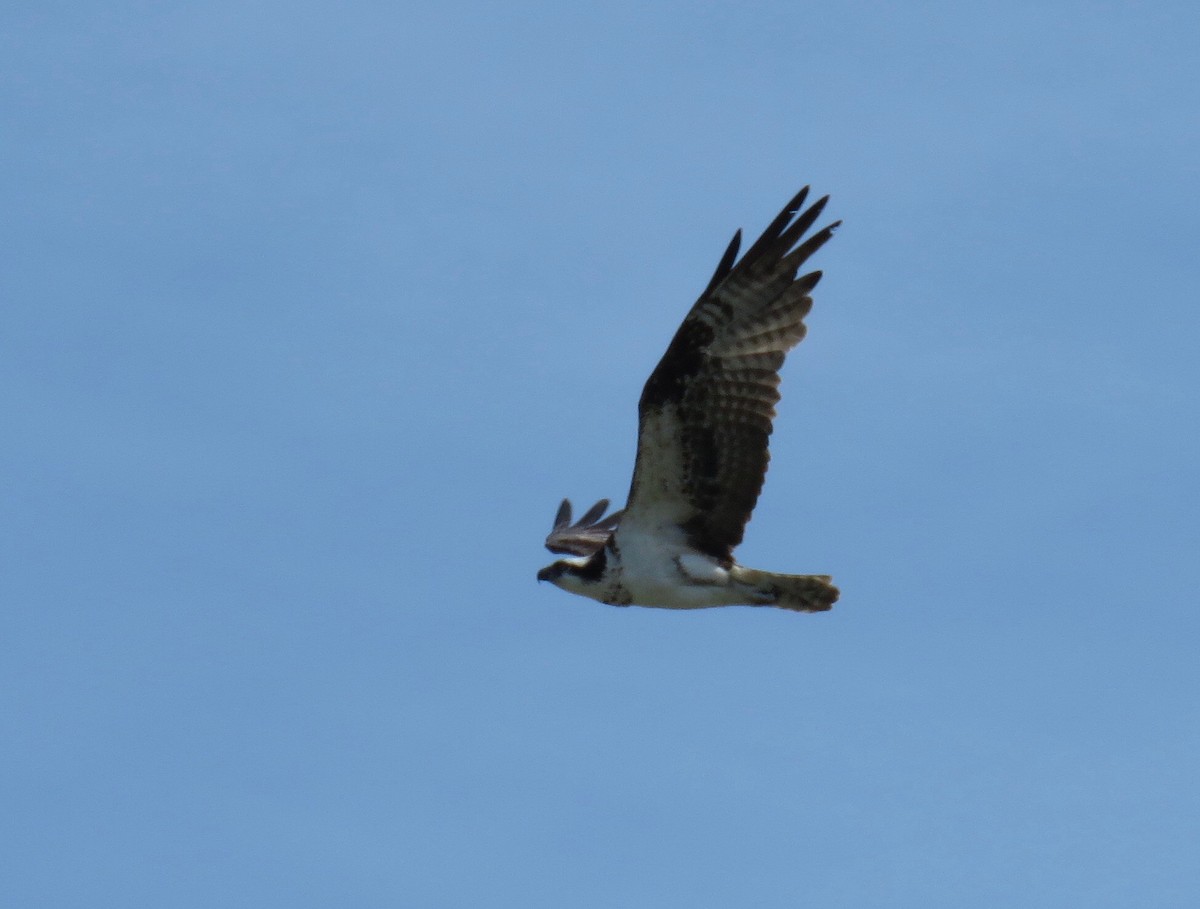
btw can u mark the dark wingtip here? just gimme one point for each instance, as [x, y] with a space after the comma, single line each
[725, 266]
[594, 512]
[807, 282]
[777, 227]
[610, 522]
[797, 256]
[786, 229]
[563, 516]
[797, 200]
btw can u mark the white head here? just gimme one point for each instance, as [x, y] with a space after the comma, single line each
[581, 575]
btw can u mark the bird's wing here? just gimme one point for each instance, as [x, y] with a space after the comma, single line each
[705, 413]
[585, 536]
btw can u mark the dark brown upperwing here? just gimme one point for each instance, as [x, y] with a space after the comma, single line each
[706, 410]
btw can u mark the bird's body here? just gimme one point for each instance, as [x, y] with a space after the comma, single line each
[704, 421]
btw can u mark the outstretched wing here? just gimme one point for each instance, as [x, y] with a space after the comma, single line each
[586, 535]
[705, 413]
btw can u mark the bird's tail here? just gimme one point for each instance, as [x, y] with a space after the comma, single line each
[798, 592]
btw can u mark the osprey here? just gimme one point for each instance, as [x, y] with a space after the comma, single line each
[704, 421]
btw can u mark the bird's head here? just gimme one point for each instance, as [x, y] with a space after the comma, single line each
[553, 571]
[576, 575]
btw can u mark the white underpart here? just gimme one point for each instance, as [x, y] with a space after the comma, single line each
[660, 569]
[702, 569]
[654, 564]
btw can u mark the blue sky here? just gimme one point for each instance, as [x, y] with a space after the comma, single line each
[312, 313]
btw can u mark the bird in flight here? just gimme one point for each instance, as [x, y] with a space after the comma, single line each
[704, 422]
